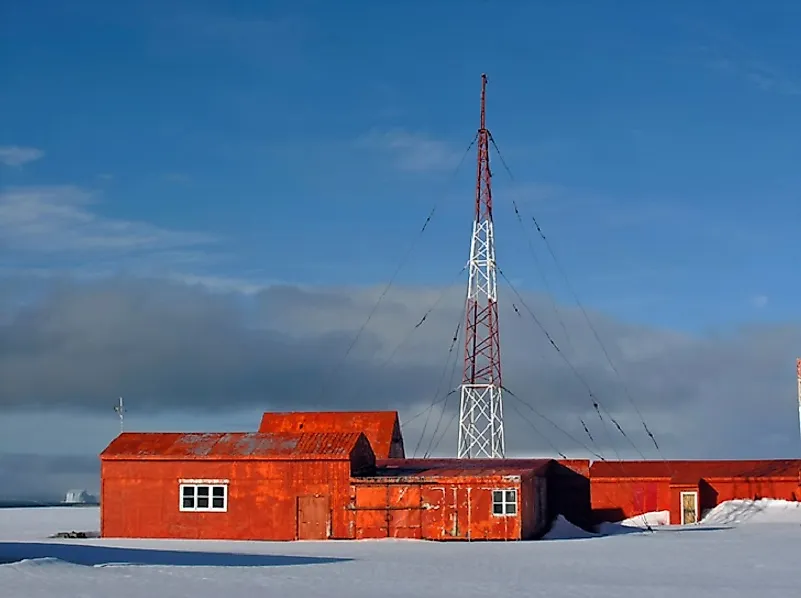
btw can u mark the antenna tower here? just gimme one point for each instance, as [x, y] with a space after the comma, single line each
[481, 407]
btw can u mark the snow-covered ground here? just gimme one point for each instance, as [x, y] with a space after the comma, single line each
[742, 548]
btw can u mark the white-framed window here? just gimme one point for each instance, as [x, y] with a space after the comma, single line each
[203, 495]
[504, 502]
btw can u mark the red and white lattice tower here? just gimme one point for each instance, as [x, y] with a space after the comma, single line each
[481, 407]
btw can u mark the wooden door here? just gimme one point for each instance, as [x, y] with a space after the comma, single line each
[689, 508]
[313, 518]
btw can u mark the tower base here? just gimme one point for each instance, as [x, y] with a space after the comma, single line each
[481, 422]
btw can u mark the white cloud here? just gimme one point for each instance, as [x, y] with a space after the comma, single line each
[14, 155]
[59, 219]
[759, 301]
[413, 151]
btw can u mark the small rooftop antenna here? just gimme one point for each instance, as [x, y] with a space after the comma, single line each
[120, 409]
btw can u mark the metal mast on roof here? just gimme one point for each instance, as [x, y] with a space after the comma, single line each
[120, 409]
[481, 406]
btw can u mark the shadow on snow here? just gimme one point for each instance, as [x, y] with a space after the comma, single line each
[85, 554]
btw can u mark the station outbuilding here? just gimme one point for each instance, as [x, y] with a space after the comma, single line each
[344, 475]
[302, 477]
[686, 489]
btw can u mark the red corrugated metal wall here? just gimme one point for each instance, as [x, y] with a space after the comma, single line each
[657, 486]
[446, 510]
[141, 498]
[615, 499]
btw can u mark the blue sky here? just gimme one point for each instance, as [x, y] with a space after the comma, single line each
[658, 145]
[240, 144]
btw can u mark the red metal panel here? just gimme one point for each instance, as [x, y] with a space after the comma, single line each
[371, 513]
[433, 516]
[382, 428]
[617, 499]
[405, 516]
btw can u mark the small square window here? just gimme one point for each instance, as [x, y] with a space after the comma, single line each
[204, 497]
[504, 502]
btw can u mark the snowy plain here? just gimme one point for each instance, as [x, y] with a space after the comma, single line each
[742, 548]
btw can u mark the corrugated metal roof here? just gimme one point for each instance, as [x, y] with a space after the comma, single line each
[683, 471]
[455, 468]
[237, 445]
[382, 428]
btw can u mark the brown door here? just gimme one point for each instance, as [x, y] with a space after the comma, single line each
[313, 517]
[689, 507]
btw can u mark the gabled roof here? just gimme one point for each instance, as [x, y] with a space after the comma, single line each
[238, 445]
[685, 471]
[382, 428]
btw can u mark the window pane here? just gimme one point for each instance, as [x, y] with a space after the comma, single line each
[217, 502]
[497, 508]
[510, 496]
[218, 491]
[202, 502]
[511, 508]
[189, 491]
[497, 496]
[189, 502]
[202, 490]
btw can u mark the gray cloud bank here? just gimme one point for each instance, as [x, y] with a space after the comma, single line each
[25, 476]
[167, 347]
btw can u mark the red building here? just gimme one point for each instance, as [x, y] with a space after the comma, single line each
[295, 485]
[230, 486]
[452, 499]
[687, 489]
[320, 475]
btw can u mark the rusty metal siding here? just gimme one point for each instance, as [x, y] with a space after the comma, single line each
[382, 428]
[158, 445]
[140, 499]
[622, 490]
[618, 499]
[433, 510]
